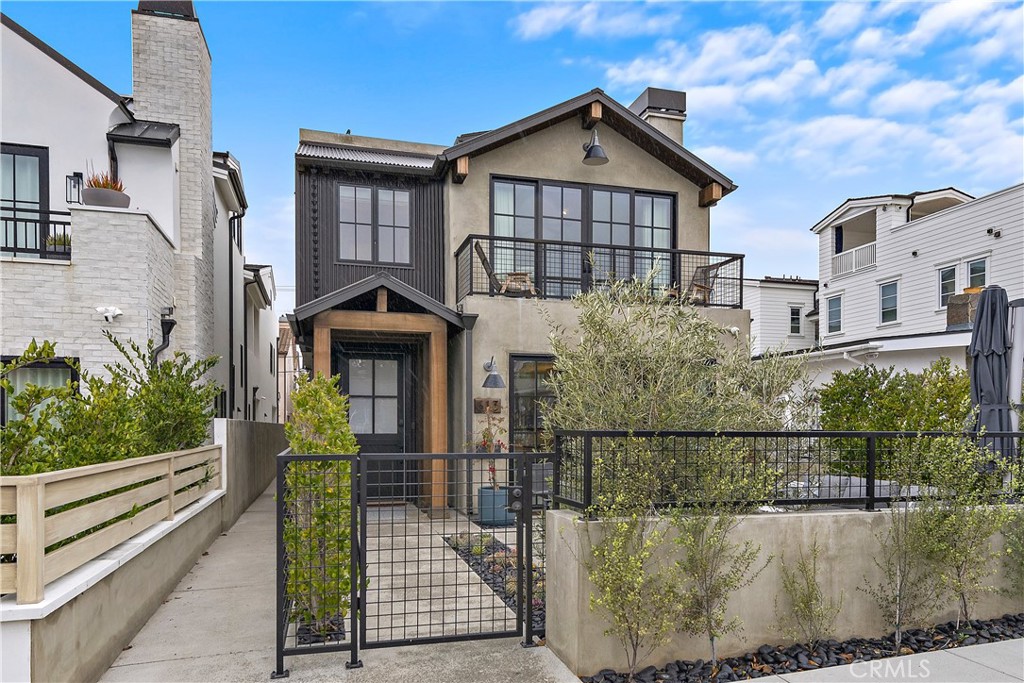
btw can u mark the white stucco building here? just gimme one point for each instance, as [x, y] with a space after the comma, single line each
[781, 313]
[70, 269]
[889, 264]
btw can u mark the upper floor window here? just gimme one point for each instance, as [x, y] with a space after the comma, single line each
[794, 319]
[977, 273]
[24, 198]
[374, 224]
[835, 314]
[888, 298]
[947, 285]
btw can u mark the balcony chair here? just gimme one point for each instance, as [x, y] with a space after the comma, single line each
[702, 284]
[515, 284]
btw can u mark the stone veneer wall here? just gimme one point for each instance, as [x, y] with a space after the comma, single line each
[171, 69]
[118, 258]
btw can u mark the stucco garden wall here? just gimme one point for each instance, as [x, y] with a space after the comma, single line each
[848, 543]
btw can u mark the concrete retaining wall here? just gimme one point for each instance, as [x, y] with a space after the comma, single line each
[89, 615]
[847, 540]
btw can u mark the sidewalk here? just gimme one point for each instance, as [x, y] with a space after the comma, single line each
[218, 625]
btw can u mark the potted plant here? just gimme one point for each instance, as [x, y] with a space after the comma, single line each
[492, 499]
[105, 189]
[59, 242]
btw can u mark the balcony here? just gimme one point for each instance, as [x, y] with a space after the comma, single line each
[854, 260]
[33, 234]
[519, 267]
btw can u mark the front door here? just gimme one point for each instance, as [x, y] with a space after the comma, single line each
[378, 387]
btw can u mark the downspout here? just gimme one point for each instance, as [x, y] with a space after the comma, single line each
[166, 325]
[847, 356]
[469, 321]
[910, 208]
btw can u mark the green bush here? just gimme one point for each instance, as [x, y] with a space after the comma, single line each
[811, 616]
[138, 410]
[317, 532]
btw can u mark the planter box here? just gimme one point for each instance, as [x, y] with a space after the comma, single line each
[492, 504]
[100, 196]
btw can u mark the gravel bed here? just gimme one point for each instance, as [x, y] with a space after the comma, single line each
[769, 660]
[495, 564]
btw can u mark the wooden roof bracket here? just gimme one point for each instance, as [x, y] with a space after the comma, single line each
[710, 194]
[460, 170]
[592, 115]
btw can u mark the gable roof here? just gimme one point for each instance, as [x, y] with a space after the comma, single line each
[381, 279]
[64, 61]
[856, 206]
[614, 115]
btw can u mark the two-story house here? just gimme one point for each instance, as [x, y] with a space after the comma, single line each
[167, 264]
[782, 313]
[417, 264]
[889, 264]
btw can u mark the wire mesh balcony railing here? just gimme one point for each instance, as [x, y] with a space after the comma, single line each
[30, 233]
[512, 266]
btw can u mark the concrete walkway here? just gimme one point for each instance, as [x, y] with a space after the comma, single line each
[218, 625]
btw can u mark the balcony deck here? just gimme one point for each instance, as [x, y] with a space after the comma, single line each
[548, 269]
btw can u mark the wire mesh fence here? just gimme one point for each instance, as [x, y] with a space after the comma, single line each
[814, 468]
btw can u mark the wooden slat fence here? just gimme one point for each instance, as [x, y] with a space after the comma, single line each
[55, 522]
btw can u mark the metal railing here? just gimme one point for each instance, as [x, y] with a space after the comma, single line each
[855, 259]
[513, 266]
[807, 468]
[29, 233]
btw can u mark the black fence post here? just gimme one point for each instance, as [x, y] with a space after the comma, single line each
[281, 602]
[526, 521]
[588, 473]
[556, 473]
[872, 455]
[356, 565]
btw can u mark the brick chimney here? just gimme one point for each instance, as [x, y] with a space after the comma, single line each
[171, 84]
[663, 109]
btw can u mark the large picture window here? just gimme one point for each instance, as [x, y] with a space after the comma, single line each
[374, 224]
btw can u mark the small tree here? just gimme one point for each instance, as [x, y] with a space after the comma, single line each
[1013, 559]
[810, 615]
[719, 491]
[317, 533]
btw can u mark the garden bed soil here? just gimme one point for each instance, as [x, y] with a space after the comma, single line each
[770, 660]
[496, 567]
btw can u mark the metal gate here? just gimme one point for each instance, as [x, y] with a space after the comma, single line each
[456, 554]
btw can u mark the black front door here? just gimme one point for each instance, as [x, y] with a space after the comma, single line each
[380, 410]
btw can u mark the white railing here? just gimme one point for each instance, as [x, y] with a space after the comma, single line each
[849, 261]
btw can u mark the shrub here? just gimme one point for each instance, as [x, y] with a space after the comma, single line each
[811, 616]
[317, 533]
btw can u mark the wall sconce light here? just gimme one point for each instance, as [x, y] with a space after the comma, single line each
[595, 155]
[913, 253]
[73, 188]
[493, 380]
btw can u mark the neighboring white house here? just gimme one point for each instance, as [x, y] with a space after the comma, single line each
[151, 270]
[289, 365]
[779, 309]
[889, 264]
[261, 344]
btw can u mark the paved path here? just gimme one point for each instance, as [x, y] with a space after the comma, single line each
[218, 625]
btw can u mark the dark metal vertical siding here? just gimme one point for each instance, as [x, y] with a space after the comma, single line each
[317, 271]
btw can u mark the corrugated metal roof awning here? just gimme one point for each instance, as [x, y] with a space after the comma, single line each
[145, 133]
[368, 157]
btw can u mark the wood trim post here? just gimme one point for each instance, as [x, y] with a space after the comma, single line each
[592, 115]
[31, 541]
[461, 170]
[710, 194]
[382, 299]
[322, 350]
[438, 356]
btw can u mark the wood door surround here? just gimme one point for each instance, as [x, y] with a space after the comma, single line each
[435, 407]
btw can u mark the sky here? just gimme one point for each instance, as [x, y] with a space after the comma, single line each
[802, 104]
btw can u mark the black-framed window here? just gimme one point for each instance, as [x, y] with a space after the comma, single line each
[374, 224]
[794, 320]
[24, 194]
[54, 373]
[529, 394]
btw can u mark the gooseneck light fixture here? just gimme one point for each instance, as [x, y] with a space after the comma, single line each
[493, 380]
[595, 155]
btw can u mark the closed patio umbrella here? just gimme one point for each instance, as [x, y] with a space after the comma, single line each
[990, 369]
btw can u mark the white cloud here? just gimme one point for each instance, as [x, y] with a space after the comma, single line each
[594, 19]
[1005, 30]
[913, 97]
[850, 83]
[725, 158]
[840, 19]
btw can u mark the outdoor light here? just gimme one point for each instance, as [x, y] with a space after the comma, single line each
[595, 155]
[74, 188]
[493, 379]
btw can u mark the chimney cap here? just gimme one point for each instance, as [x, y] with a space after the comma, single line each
[178, 9]
[672, 102]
